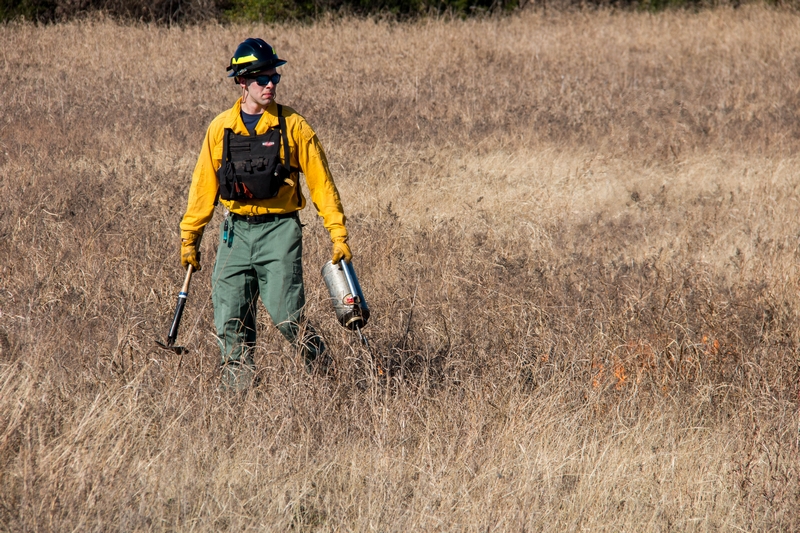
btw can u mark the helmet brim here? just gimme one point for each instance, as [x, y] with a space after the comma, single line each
[252, 70]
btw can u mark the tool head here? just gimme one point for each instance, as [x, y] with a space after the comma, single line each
[171, 347]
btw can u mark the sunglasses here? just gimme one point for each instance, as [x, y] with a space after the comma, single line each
[266, 78]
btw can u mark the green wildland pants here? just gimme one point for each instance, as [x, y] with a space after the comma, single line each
[266, 259]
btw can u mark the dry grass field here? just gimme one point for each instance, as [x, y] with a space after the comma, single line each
[578, 234]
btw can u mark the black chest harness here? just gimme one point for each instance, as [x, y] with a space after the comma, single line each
[251, 165]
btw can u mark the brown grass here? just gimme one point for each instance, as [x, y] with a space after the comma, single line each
[578, 234]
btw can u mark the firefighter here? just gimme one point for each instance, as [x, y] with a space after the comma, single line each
[250, 162]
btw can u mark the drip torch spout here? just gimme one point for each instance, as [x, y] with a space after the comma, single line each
[363, 338]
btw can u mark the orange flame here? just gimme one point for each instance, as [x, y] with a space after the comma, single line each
[712, 348]
[620, 374]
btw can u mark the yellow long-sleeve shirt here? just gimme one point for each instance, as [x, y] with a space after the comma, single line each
[306, 154]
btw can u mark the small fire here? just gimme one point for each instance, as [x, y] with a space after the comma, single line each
[620, 374]
[712, 348]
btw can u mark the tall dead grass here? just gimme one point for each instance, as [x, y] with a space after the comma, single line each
[578, 234]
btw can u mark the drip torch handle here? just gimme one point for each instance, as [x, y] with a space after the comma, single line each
[348, 274]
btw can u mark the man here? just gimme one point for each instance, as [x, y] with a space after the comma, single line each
[250, 163]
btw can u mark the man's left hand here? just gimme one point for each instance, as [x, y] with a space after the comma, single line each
[341, 251]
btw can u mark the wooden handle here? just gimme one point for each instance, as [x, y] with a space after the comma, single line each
[185, 287]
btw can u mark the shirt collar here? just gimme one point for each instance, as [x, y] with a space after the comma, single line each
[235, 119]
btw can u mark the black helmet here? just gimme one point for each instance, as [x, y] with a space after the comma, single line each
[253, 56]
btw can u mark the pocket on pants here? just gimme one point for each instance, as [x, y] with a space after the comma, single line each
[297, 270]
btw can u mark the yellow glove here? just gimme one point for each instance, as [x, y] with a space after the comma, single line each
[190, 249]
[341, 250]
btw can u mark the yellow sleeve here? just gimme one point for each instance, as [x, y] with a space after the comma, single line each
[203, 191]
[324, 194]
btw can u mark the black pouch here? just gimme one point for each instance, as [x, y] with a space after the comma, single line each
[251, 166]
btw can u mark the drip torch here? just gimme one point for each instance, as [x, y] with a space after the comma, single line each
[347, 297]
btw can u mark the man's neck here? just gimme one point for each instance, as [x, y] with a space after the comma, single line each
[252, 108]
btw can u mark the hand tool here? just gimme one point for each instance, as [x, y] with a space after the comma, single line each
[176, 320]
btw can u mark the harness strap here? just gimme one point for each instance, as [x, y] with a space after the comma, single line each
[287, 151]
[225, 157]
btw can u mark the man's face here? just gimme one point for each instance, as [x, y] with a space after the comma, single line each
[261, 87]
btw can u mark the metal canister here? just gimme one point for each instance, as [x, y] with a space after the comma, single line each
[346, 295]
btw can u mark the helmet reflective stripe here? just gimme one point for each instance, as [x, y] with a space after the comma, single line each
[244, 59]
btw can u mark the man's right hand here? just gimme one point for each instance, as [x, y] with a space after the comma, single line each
[190, 250]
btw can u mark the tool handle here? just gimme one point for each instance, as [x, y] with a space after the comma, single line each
[176, 320]
[186, 281]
